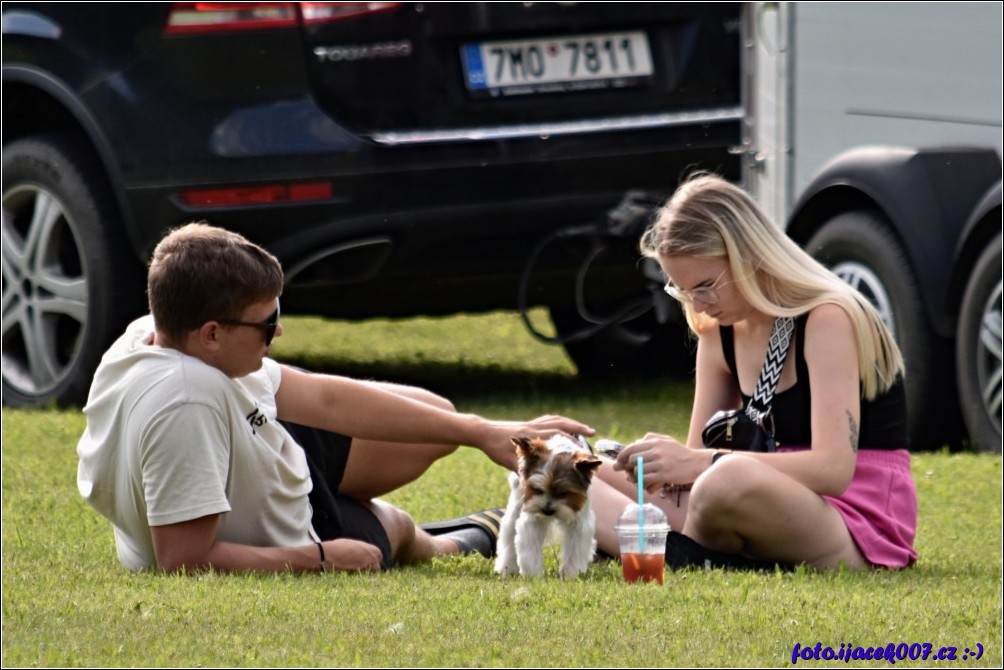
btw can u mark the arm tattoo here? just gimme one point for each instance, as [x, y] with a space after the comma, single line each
[853, 425]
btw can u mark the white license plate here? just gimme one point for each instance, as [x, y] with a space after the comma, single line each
[549, 64]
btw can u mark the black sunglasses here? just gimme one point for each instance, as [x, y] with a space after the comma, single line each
[269, 326]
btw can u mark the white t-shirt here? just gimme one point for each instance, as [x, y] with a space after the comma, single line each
[171, 439]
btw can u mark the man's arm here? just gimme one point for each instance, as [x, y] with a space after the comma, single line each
[192, 546]
[368, 411]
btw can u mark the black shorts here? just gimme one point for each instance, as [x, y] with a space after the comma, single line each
[335, 515]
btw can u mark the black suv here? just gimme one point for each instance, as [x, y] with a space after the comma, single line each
[400, 159]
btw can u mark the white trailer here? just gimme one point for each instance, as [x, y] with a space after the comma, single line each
[873, 133]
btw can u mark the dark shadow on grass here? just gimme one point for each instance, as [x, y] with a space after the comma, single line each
[468, 379]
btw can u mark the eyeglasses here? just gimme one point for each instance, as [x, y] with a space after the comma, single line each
[269, 326]
[705, 294]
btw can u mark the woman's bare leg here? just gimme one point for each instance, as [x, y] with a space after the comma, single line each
[745, 506]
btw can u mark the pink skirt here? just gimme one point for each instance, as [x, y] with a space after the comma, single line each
[879, 507]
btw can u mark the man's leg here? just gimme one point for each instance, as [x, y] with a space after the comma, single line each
[409, 543]
[362, 470]
[338, 515]
[377, 468]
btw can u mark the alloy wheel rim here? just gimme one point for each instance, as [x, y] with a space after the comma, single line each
[988, 356]
[45, 293]
[868, 284]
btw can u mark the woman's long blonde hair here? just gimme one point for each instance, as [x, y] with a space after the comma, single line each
[709, 217]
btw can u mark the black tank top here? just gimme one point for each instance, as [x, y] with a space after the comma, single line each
[883, 420]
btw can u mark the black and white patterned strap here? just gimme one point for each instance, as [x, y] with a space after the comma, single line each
[763, 395]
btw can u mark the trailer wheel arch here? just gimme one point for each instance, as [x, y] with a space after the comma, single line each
[927, 196]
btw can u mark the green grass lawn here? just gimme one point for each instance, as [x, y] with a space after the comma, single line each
[67, 602]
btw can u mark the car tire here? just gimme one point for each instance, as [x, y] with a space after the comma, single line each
[69, 281]
[640, 348]
[978, 351]
[862, 249]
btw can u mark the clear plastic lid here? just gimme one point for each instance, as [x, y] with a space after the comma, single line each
[652, 519]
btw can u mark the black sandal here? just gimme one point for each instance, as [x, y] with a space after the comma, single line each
[474, 533]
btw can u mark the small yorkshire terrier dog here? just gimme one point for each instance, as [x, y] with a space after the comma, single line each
[550, 491]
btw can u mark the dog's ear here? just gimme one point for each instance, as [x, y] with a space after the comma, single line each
[586, 465]
[523, 444]
[528, 450]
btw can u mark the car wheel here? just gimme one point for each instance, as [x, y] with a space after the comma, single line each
[68, 281]
[860, 248]
[978, 351]
[640, 348]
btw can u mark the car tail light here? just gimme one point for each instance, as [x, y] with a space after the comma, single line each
[204, 17]
[320, 12]
[201, 17]
[271, 194]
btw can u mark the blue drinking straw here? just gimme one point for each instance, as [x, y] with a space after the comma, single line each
[641, 505]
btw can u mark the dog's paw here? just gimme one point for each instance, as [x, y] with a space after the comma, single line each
[531, 566]
[572, 571]
[531, 571]
[506, 565]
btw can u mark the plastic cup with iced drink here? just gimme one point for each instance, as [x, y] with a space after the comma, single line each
[643, 543]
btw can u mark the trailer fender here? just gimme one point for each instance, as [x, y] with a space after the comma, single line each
[927, 197]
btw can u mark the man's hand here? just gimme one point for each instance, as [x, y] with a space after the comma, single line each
[498, 446]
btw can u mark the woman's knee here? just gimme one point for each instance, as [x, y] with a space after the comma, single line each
[722, 490]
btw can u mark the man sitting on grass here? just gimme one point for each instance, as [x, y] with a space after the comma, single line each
[205, 453]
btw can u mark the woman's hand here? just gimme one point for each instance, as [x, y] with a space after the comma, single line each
[666, 461]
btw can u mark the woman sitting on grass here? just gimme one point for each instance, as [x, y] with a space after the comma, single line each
[839, 488]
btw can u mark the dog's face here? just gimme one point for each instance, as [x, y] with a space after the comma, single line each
[553, 482]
